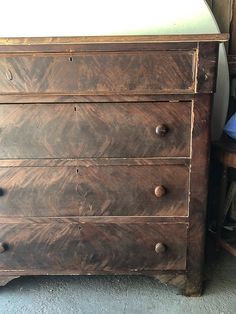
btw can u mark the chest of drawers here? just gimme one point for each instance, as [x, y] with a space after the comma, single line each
[104, 155]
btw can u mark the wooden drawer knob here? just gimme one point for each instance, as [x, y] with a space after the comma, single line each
[160, 191]
[160, 248]
[162, 130]
[3, 247]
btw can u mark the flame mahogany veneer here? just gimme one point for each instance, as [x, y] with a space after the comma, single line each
[104, 155]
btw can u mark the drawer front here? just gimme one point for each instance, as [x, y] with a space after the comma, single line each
[92, 247]
[98, 73]
[95, 130]
[94, 191]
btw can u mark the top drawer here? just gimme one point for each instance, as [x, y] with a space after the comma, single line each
[98, 73]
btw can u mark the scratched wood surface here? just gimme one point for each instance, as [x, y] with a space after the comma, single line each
[95, 130]
[92, 247]
[207, 67]
[93, 191]
[199, 193]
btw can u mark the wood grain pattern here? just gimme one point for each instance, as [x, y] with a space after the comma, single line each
[139, 39]
[207, 67]
[98, 47]
[94, 130]
[94, 219]
[93, 191]
[80, 159]
[87, 162]
[198, 191]
[98, 73]
[49, 98]
[92, 247]
[174, 279]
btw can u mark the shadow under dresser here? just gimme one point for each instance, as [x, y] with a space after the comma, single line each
[104, 155]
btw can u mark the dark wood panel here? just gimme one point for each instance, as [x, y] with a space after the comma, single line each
[99, 46]
[198, 192]
[60, 246]
[49, 98]
[87, 162]
[98, 73]
[95, 130]
[207, 67]
[232, 64]
[95, 219]
[94, 191]
[177, 39]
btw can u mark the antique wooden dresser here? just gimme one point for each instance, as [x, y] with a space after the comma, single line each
[104, 155]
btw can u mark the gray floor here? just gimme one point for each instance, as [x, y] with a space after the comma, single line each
[139, 295]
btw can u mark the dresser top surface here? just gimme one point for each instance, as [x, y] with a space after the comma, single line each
[114, 39]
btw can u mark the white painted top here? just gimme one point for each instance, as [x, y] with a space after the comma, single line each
[49, 18]
[27, 18]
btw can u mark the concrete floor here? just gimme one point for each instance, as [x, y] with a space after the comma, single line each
[115, 295]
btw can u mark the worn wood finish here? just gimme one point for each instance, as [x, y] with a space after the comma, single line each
[164, 276]
[5, 279]
[93, 191]
[174, 279]
[104, 155]
[198, 191]
[95, 219]
[92, 247]
[95, 130]
[88, 162]
[46, 42]
[98, 73]
[45, 98]
[83, 46]
[207, 67]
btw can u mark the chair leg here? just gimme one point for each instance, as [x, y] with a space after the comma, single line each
[220, 214]
[228, 247]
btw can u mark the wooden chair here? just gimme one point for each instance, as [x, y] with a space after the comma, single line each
[226, 154]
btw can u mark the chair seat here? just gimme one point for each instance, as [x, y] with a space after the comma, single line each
[226, 151]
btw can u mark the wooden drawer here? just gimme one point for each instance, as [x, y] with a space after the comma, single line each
[95, 130]
[64, 246]
[98, 73]
[94, 191]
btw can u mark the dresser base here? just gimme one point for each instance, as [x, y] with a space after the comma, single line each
[5, 279]
[187, 287]
[193, 287]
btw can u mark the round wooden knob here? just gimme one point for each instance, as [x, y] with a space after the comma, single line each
[2, 247]
[160, 191]
[160, 248]
[162, 130]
